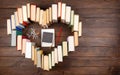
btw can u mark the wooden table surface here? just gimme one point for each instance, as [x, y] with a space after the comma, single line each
[99, 49]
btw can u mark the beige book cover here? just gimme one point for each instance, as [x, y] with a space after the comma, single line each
[68, 13]
[33, 48]
[33, 12]
[56, 55]
[59, 9]
[38, 14]
[16, 18]
[41, 17]
[20, 15]
[72, 18]
[54, 12]
[53, 58]
[19, 42]
[28, 10]
[76, 22]
[65, 48]
[80, 28]
[8, 26]
[50, 61]
[50, 14]
[13, 21]
[60, 55]
[46, 63]
[24, 12]
[63, 12]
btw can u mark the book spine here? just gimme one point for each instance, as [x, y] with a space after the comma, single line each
[71, 46]
[24, 12]
[50, 61]
[72, 18]
[76, 22]
[60, 55]
[54, 12]
[9, 26]
[28, 10]
[16, 18]
[68, 13]
[56, 55]
[13, 21]
[28, 49]
[19, 42]
[80, 28]
[63, 12]
[33, 12]
[13, 38]
[59, 9]
[65, 48]
[76, 42]
[38, 14]
[20, 15]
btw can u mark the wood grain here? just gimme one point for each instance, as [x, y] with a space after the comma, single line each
[98, 52]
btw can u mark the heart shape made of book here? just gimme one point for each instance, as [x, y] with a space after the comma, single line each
[29, 23]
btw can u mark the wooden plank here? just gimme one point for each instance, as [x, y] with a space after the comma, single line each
[75, 3]
[80, 51]
[9, 52]
[95, 51]
[68, 62]
[93, 41]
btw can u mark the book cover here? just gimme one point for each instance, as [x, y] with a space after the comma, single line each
[28, 49]
[13, 21]
[76, 42]
[24, 12]
[63, 12]
[9, 26]
[65, 48]
[68, 14]
[60, 55]
[33, 12]
[56, 55]
[59, 9]
[54, 12]
[28, 10]
[80, 29]
[72, 18]
[76, 22]
[16, 18]
[19, 42]
[71, 46]
[13, 38]
[20, 15]
[50, 61]
[37, 14]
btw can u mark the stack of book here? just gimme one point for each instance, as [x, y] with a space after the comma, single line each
[29, 12]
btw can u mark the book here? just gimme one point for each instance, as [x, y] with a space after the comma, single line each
[33, 12]
[71, 46]
[37, 14]
[41, 17]
[42, 61]
[56, 55]
[68, 14]
[50, 14]
[47, 37]
[59, 9]
[38, 57]
[35, 56]
[46, 63]
[13, 38]
[9, 26]
[63, 12]
[53, 58]
[28, 49]
[80, 28]
[76, 22]
[24, 40]
[19, 42]
[50, 61]
[60, 55]
[33, 48]
[54, 12]
[16, 18]
[44, 24]
[47, 16]
[20, 15]
[65, 48]
[28, 10]
[24, 12]
[72, 18]
[18, 32]
[76, 42]
[13, 21]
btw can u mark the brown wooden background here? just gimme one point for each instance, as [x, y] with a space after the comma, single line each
[99, 49]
